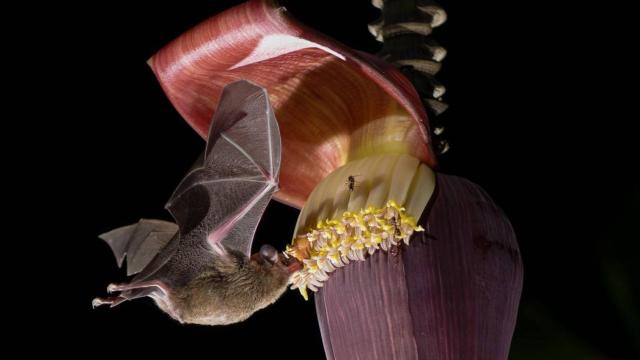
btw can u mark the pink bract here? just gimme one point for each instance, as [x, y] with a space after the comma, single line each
[333, 104]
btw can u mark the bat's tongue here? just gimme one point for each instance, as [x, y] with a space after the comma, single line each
[291, 263]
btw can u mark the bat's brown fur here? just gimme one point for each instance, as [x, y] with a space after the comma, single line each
[230, 290]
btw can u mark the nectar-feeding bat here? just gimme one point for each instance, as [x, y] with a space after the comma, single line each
[201, 270]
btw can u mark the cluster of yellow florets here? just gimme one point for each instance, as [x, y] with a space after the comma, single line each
[334, 243]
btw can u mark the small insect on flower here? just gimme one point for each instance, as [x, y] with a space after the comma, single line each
[351, 182]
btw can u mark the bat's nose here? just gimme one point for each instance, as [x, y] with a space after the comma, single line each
[269, 253]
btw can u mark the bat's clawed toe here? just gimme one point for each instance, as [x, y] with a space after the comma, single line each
[112, 301]
[103, 301]
[97, 302]
[115, 288]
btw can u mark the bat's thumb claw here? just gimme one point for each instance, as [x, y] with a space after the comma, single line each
[97, 302]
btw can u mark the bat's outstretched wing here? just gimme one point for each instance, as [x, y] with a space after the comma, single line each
[224, 199]
[139, 242]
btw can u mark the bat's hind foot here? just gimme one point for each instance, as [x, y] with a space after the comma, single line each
[151, 285]
[118, 288]
[129, 292]
[111, 301]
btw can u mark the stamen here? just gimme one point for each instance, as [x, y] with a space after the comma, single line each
[333, 243]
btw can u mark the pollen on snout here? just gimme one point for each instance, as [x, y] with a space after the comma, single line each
[334, 243]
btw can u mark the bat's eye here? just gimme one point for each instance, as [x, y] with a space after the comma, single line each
[269, 253]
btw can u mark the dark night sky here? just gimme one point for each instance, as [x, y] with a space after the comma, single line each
[530, 120]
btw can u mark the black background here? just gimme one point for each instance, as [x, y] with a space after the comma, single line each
[534, 118]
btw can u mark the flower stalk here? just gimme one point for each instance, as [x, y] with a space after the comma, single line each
[406, 30]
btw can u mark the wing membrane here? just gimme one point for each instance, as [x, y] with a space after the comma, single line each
[225, 197]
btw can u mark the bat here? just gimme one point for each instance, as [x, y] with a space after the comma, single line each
[201, 270]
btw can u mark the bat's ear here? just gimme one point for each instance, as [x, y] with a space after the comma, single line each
[269, 253]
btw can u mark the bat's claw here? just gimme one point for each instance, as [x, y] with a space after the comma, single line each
[111, 301]
[97, 302]
[114, 288]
